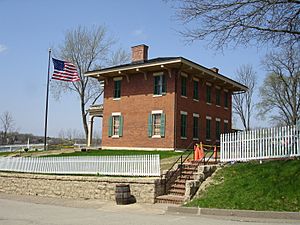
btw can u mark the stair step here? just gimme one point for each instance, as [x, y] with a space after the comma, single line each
[174, 191]
[172, 199]
[178, 186]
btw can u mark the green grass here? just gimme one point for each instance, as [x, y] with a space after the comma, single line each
[163, 154]
[273, 185]
[4, 153]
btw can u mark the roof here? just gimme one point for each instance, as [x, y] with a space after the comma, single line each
[160, 63]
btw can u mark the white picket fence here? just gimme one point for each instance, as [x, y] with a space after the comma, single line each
[276, 142]
[135, 165]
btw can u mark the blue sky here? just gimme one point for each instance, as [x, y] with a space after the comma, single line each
[30, 27]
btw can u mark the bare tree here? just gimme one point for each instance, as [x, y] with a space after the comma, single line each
[88, 49]
[243, 102]
[223, 22]
[280, 92]
[120, 56]
[7, 124]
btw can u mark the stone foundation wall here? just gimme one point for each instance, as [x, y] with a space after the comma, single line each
[85, 187]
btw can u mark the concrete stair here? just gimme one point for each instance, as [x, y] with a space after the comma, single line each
[176, 193]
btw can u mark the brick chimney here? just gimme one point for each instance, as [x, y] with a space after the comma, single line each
[139, 53]
[215, 69]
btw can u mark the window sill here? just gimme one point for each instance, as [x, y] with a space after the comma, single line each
[156, 136]
[155, 96]
[182, 96]
[116, 99]
[183, 138]
[226, 108]
[218, 106]
[208, 103]
[115, 136]
[208, 139]
[196, 100]
[195, 139]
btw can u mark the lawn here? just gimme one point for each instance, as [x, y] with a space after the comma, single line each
[273, 185]
[163, 154]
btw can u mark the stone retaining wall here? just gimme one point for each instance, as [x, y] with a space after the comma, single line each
[86, 187]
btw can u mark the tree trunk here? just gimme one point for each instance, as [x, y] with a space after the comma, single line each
[83, 115]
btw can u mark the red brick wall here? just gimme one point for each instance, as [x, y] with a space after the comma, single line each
[136, 103]
[203, 109]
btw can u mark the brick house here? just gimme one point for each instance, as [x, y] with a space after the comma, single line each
[163, 103]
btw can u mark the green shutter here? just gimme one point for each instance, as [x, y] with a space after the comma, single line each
[150, 125]
[162, 124]
[121, 127]
[110, 126]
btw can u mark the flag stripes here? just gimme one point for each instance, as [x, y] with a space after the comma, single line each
[64, 71]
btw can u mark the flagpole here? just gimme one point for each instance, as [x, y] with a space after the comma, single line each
[47, 100]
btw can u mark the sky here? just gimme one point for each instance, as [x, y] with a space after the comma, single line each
[28, 28]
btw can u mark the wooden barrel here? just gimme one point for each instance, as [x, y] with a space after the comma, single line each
[123, 196]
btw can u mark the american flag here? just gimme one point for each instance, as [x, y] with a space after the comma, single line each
[64, 71]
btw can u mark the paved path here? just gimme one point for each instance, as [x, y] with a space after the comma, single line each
[26, 210]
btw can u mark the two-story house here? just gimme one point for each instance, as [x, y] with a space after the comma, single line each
[164, 103]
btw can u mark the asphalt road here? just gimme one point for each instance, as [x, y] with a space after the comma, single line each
[43, 211]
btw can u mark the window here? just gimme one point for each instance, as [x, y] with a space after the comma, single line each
[159, 84]
[208, 93]
[115, 126]
[195, 126]
[218, 130]
[196, 90]
[183, 86]
[117, 88]
[208, 128]
[218, 97]
[156, 124]
[226, 99]
[183, 124]
[225, 126]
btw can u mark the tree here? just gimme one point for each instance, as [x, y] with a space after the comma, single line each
[7, 124]
[240, 21]
[88, 49]
[243, 102]
[280, 92]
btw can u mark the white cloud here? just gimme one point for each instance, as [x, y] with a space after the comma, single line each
[2, 48]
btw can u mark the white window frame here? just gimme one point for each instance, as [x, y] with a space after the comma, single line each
[155, 112]
[115, 114]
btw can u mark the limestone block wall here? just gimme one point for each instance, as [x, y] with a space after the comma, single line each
[85, 187]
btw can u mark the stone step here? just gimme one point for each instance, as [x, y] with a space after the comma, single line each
[178, 186]
[171, 199]
[175, 191]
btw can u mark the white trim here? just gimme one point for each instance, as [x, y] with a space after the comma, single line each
[218, 105]
[183, 96]
[155, 96]
[156, 111]
[208, 84]
[116, 99]
[183, 138]
[183, 113]
[218, 87]
[115, 136]
[137, 148]
[195, 139]
[195, 115]
[196, 79]
[208, 117]
[218, 119]
[183, 74]
[117, 78]
[156, 136]
[158, 74]
[225, 121]
[225, 90]
[116, 114]
[208, 103]
[196, 100]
